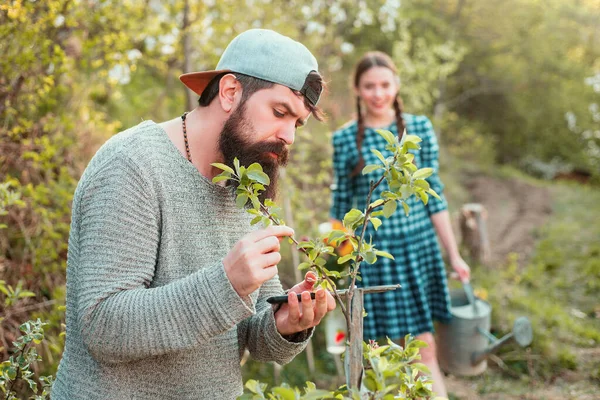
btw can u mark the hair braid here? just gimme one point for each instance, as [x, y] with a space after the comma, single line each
[400, 124]
[360, 135]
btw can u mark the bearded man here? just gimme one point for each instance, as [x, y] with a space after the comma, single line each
[166, 278]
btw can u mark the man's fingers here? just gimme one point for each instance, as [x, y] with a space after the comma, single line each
[321, 305]
[267, 273]
[293, 309]
[331, 304]
[307, 284]
[308, 314]
[270, 259]
[273, 230]
[268, 244]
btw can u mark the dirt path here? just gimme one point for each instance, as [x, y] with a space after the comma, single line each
[515, 211]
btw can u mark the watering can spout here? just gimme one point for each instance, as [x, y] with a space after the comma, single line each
[521, 333]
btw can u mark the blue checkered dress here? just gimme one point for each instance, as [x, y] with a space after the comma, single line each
[418, 264]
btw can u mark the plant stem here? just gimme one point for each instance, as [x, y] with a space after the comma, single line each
[265, 211]
[368, 212]
[12, 382]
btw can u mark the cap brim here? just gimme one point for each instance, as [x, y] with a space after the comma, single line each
[197, 81]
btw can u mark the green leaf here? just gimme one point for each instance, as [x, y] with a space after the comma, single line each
[335, 236]
[255, 167]
[346, 258]
[307, 245]
[371, 168]
[406, 208]
[384, 254]
[255, 202]
[223, 167]
[256, 220]
[422, 183]
[259, 176]
[411, 146]
[376, 203]
[304, 265]
[284, 392]
[376, 222]
[412, 139]
[379, 155]
[370, 257]
[352, 217]
[255, 386]
[387, 135]
[11, 372]
[221, 177]
[421, 195]
[405, 191]
[317, 394]
[423, 173]
[434, 194]
[389, 208]
[236, 164]
[241, 200]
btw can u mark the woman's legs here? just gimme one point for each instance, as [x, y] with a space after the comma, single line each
[429, 358]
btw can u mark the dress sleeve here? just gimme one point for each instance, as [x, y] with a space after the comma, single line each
[429, 159]
[342, 188]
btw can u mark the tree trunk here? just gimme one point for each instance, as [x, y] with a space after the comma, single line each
[474, 232]
[354, 348]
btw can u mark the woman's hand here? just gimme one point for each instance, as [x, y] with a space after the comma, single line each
[462, 269]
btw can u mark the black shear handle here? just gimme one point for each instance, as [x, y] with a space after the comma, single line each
[284, 299]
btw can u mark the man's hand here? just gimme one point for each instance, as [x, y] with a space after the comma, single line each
[297, 316]
[253, 259]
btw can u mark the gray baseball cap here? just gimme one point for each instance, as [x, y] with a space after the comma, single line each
[263, 54]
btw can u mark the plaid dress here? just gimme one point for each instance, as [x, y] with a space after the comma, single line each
[412, 240]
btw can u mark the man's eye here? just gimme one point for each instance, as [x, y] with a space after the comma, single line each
[278, 114]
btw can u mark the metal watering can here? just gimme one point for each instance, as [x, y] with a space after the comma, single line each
[465, 343]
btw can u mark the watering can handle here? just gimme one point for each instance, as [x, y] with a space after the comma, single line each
[470, 295]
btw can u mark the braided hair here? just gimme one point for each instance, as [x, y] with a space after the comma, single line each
[368, 61]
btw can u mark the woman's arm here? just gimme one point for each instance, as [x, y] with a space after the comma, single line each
[441, 222]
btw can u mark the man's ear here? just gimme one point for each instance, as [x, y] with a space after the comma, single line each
[230, 91]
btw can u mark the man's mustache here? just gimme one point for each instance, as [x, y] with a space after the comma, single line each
[277, 148]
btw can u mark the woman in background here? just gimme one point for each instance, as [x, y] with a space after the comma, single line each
[418, 265]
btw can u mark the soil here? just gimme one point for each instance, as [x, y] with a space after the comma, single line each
[515, 210]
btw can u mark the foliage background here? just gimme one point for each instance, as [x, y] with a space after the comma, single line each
[513, 83]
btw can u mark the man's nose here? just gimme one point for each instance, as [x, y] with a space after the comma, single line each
[287, 135]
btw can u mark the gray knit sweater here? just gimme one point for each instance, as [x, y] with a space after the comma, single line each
[150, 311]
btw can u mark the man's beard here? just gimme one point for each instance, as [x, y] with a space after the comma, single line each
[234, 142]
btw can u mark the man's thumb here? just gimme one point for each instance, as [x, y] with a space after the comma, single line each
[307, 284]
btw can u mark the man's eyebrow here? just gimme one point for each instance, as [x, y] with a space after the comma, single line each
[289, 110]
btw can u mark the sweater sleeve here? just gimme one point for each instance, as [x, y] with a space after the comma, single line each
[119, 317]
[429, 159]
[342, 189]
[259, 333]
